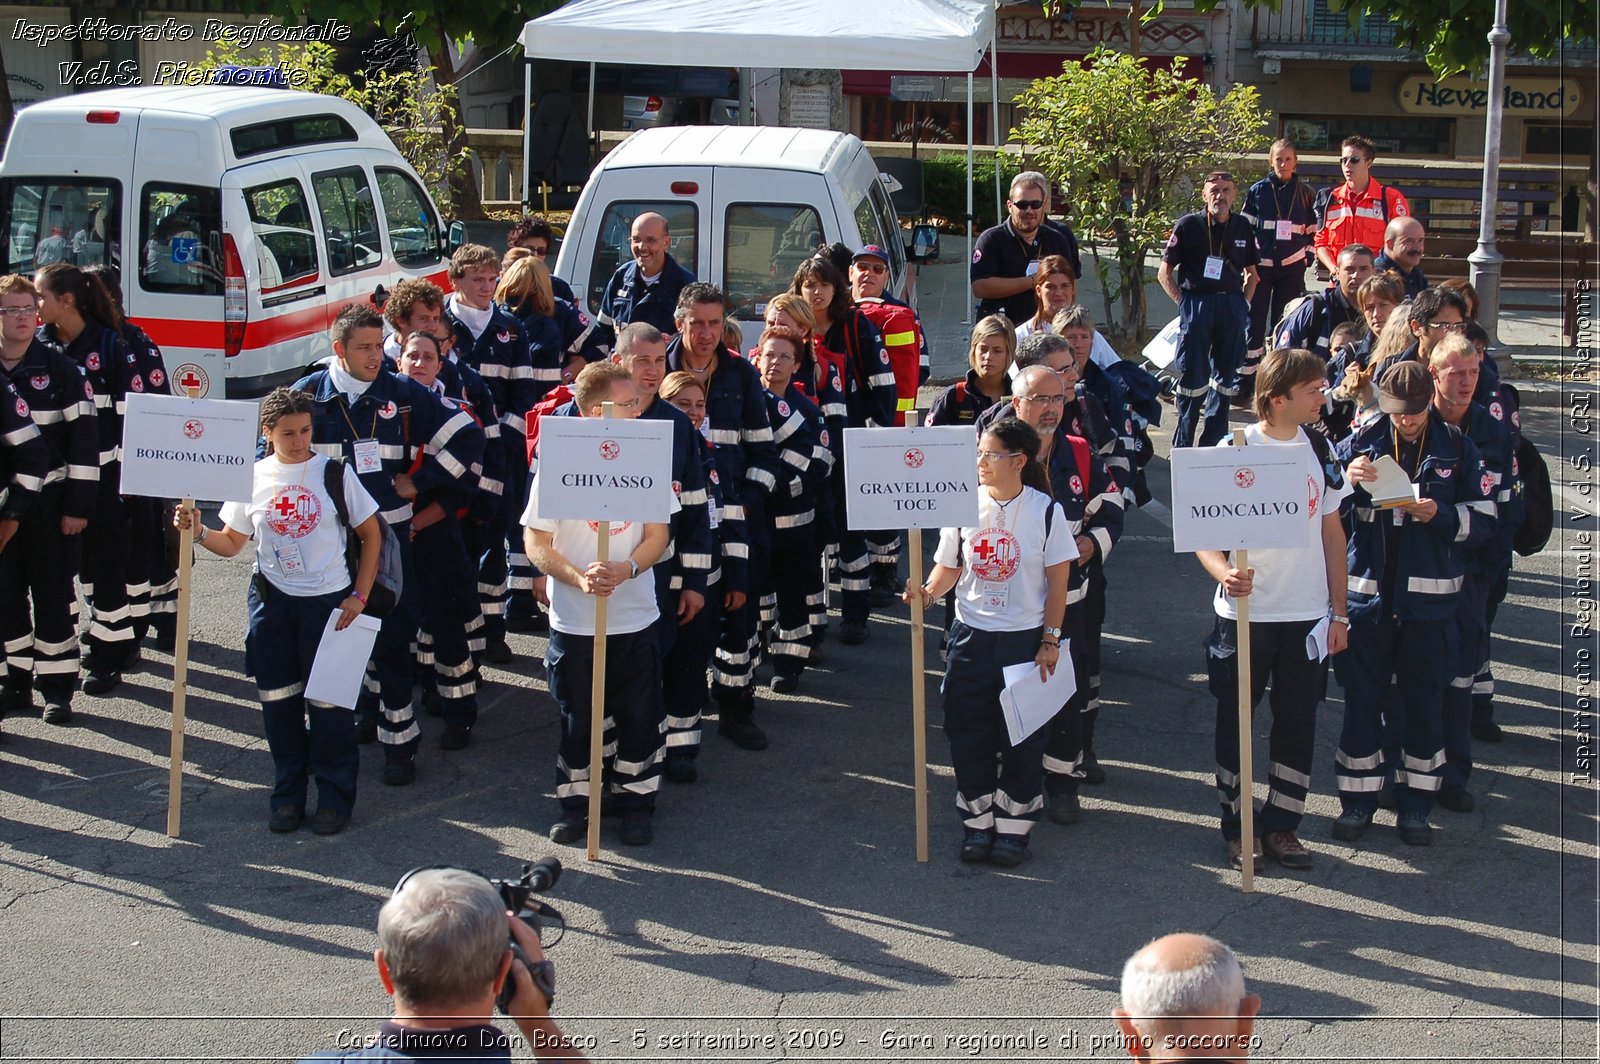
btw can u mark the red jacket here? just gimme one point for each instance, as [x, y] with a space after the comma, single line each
[1345, 217]
[560, 395]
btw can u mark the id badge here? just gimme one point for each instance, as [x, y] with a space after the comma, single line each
[1399, 516]
[289, 560]
[996, 595]
[367, 458]
[1033, 267]
[1285, 229]
[711, 508]
[1213, 267]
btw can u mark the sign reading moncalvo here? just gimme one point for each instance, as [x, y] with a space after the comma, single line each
[914, 477]
[1239, 498]
[176, 448]
[605, 469]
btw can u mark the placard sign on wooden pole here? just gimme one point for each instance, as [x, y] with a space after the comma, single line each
[1233, 499]
[177, 448]
[602, 470]
[912, 478]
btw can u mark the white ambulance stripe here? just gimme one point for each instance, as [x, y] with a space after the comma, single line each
[1425, 586]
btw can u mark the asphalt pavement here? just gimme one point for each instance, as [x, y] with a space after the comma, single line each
[781, 913]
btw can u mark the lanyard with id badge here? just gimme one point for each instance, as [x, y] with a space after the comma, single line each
[368, 456]
[996, 555]
[1213, 271]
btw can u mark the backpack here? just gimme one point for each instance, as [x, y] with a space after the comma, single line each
[386, 589]
[1538, 506]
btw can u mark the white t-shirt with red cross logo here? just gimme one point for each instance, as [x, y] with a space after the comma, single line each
[1291, 585]
[300, 540]
[1002, 561]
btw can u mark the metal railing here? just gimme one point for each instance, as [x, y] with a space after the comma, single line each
[1314, 22]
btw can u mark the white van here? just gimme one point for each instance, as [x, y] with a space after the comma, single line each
[745, 206]
[242, 220]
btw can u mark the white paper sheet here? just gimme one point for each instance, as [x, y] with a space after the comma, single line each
[342, 661]
[1029, 703]
[1392, 487]
[1317, 640]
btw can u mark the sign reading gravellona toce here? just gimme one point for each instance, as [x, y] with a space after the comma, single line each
[1424, 94]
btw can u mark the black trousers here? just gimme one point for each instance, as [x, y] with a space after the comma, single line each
[633, 726]
[38, 603]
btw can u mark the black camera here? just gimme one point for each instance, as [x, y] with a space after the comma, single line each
[518, 894]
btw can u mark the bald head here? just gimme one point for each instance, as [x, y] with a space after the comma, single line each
[649, 239]
[1404, 241]
[1183, 998]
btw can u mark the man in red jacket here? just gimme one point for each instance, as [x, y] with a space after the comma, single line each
[1358, 211]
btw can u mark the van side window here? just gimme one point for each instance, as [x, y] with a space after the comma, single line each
[349, 222]
[284, 133]
[44, 220]
[286, 245]
[893, 237]
[180, 239]
[766, 243]
[612, 247]
[407, 215]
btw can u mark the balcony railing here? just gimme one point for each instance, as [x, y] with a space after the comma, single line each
[1313, 22]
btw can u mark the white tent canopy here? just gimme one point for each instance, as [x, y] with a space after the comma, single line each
[797, 34]
[826, 34]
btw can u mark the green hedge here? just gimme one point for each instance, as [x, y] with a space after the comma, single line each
[944, 178]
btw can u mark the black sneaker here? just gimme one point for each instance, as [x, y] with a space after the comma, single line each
[285, 818]
[743, 733]
[1415, 831]
[1009, 851]
[399, 773]
[1487, 731]
[785, 685]
[1455, 798]
[852, 633]
[455, 737]
[1352, 824]
[498, 652]
[366, 731]
[572, 827]
[976, 846]
[636, 829]
[681, 770]
[1065, 808]
[58, 713]
[101, 681]
[329, 822]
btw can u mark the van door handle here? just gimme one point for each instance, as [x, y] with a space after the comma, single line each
[380, 296]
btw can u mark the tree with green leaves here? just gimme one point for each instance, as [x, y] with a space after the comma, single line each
[1113, 117]
[442, 29]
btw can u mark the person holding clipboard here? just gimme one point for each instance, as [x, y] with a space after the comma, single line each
[301, 576]
[1010, 577]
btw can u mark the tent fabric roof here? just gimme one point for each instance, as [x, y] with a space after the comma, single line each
[825, 34]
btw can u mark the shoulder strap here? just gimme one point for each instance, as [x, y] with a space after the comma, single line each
[1383, 199]
[1080, 455]
[333, 484]
[1049, 514]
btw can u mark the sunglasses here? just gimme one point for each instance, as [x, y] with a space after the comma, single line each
[1027, 204]
[1351, 160]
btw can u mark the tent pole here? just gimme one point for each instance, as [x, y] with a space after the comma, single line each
[966, 316]
[527, 128]
[994, 123]
[589, 124]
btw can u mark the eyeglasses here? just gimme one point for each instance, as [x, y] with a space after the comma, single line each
[1027, 204]
[1049, 400]
[20, 312]
[1352, 160]
[780, 357]
[987, 457]
[629, 405]
[1448, 326]
[875, 267]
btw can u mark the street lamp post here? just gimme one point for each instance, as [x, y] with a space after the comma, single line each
[1486, 261]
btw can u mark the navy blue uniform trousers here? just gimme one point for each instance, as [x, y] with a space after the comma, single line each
[1210, 349]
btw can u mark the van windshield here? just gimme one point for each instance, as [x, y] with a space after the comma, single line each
[180, 239]
[44, 220]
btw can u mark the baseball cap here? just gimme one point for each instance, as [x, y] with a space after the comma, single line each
[871, 251]
[1405, 389]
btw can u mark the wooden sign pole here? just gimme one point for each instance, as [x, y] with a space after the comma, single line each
[919, 705]
[1247, 801]
[180, 671]
[597, 683]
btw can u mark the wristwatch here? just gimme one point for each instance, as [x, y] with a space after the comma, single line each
[633, 565]
[1056, 632]
[1340, 619]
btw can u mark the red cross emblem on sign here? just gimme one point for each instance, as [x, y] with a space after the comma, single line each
[193, 429]
[914, 458]
[1245, 478]
[609, 450]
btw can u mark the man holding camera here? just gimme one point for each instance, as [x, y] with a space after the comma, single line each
[443, 956]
